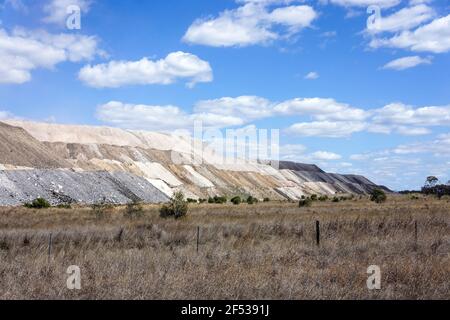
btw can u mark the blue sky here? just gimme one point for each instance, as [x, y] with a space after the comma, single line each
[352, 97]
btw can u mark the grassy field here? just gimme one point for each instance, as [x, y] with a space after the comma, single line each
[262, 251]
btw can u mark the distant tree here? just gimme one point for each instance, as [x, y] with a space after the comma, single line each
[378, 196]
[236, 200]
[431, 181]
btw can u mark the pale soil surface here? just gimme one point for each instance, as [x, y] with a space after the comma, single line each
[264, 251]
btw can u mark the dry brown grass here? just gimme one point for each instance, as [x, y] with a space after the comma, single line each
[264, 251]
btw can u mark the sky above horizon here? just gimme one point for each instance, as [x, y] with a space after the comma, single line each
[354, 86]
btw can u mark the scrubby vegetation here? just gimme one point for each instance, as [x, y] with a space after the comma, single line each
[236, 200]
[307, 202]
[177, 207]
[134, 210]
[264, 251]
[378, 196]
[39, 203]
[252, 200]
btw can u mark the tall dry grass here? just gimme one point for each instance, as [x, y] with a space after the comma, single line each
[264, 251]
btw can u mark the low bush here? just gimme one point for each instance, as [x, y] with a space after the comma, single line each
[190, 200]
[314, 197]
[252, 200]
[39, 203]
[323, 198]
[236, 200]
[307, 202]
[266, 200]
[335, 199]
[378, 196]
[176, 208]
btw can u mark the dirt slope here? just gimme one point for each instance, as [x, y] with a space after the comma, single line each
[19, 148]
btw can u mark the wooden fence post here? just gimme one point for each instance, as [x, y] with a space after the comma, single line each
[318, 233]
[198, 237]
[415, 235]
[50, 240]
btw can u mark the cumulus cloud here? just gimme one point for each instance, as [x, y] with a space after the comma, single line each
[320, 109]
[177, 65]
[432, 37]
[56, 10]
[366, 3]
[406, 63]
[429, 158]
[327, 117]
[326, 129]
[158, 118]
[249, 24]
[325, 155]
[247, 107]
[23, 51]
[401, 114]
[404, 19]
[312, 75]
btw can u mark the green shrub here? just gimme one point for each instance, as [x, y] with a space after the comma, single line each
[303, 197]
[211, 200]
[176, 208]
[266, 200]
[307, 202]
[39, 203]
[202, 200]
[378, 196]
[190, 200]
[336, 199]
[236, 200]
[252, 200]
[134, 210]
[314, 197]
[323, 198]
[220, 200]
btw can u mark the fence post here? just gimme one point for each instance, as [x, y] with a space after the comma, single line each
[318, 233]
[50, 240]
[415, 235]
[198, 237]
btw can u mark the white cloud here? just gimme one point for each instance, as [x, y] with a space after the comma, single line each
[177, 65]
[412, 131]
[56, 10]
[326, 129]
[366, 3]
[23, 51]
[329, 118]
[250, 24]
[406, 63]
[312, 75]
[404, 19]
[321, 109]
[432, 37]
[325, 155]
[159, 118]
[142, 116]
[401, 114]
[247, 107]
